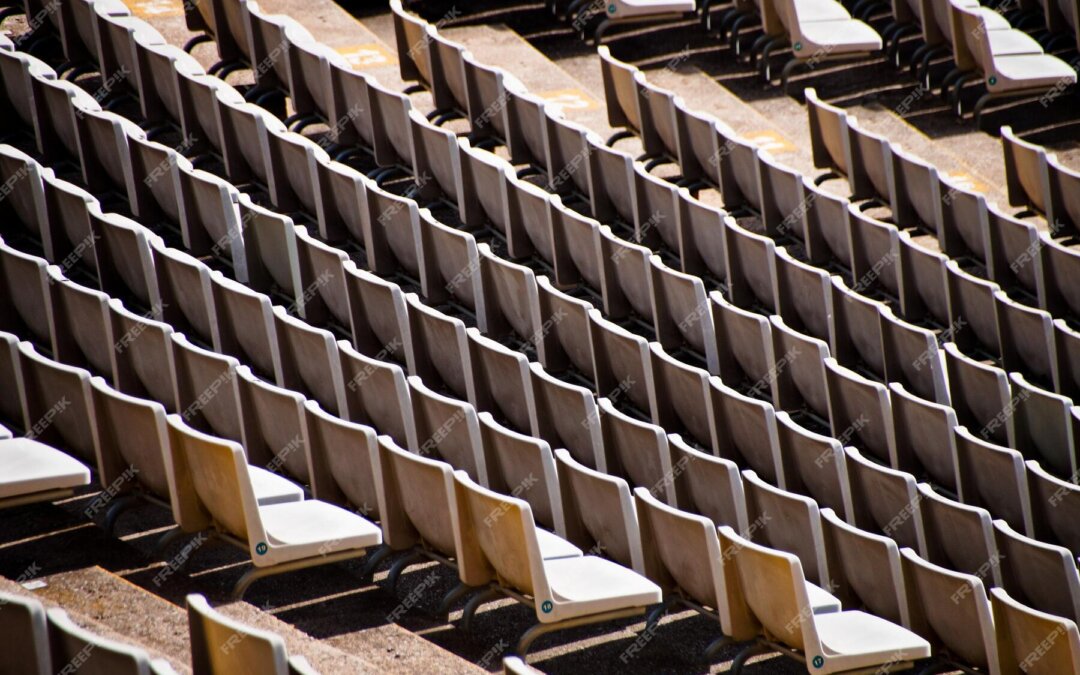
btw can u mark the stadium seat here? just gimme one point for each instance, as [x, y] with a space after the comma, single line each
[342, 468]
[1045, 426]
[37, 472]
[814, 465]
[218, 492]
[379, 313]
[220, 643]
[637, 451]
[124, 258]
[683, 403]
[377, 394]
[567, 417]
[980, 396]
[448, 429]
[959, 537]
[1018, 629]
[58, 404]
[309, 361]
[245, 326]
[1042, 576]
[912, 358]
[84, 335]
[511, 298]
[803, 295]
[1055, 505]
[885, 501]
[1027, 341]
[797, 375]
[95, 654]
[747, 432]
[144, 358]
[270, 250]
[708, 485]
[274, 434]
[440, 348]
[744, 346]
[568, 591]
[500, 382]
[775, 591]
[993, 478]
[860, 414]
[24, 622]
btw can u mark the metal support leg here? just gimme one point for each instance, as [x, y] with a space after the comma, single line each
[373, 561]
[399, 566]
[119, 506]
[789, 68]
[714, 647]
[474, 604]
[167, 539]
[746, 654]
[196, 41]
[618, 136]
[458, 592]
[979, 105]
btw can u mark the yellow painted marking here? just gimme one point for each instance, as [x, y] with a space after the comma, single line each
[767, 139]
[370, 55]
[966, 181]
[569, 99]
[149, 9]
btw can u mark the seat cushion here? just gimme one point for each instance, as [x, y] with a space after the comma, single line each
[271, 488]
[628, 8]
[859, 640]
[318, 526]
[589, 585]
[1011, 42]
[1030, 71]
[820, 10]
[553, 546]
[31, 467]
[835, 38]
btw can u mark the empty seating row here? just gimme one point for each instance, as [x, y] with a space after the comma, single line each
[41, 639]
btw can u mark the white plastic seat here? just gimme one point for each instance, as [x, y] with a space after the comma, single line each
[280, 537]
[564, 592]
[34, 472]
[1019, 629]
[775, 591]
[24, 622]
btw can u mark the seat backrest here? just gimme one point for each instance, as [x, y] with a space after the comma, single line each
[210, 484]
[23, 622]
[84, 333]
[924, 440]
[377, 394]
[220, 643]
[524, 465]
[959, 536]
[1032, 641]
[131, 435]
[828, 135]
[803, 295]
[448, 429]
[681, 551]
[951, 610]
[622, 364]
[342, 464]
[866, 568]
[416, 500]
[815, 465]
[413, 47]
[378, 315]
[309, 361]
[94, 654]
[1026, 171]
[885, 501]
[788, 522]
[440, 348]
[775, 590]
[708, 485]
[1055, 506]
[981, 396]
[273, 426]
[621, 92]
[144, 358]
[500, 381]
[1064, 214]
[1041, 575]
[1045, 427]
[702, 250]
[860, 413]
[747, 433]
[637, 451]
[684, 403]
[59, 405]
[600, 514]
[207, 398]
[497, 538]
[994, 478]
[797, 375]
[187, 303]
[390, 114]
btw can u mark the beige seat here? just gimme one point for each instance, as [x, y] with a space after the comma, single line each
[1024, 638]
[524, 467]
[222, 644]
[885, 501]
[343, 471]
[97, 655]
[23, 621]
[599, 511]
[309, 360]
[567, 417]
[744, 346]
[815, 465]
[1041, 575]
[708, 485]
[788, 522]
[447, 429]
[377, 394]
[959, 536]
[564, 592]
[860, 412]
[778, 597]
[683, 400]
[747, 432]
[500, 382]
[1055, 508]
[215, 490]
[994, 478]
[952, 611]
[274, 434]
[867, 569]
